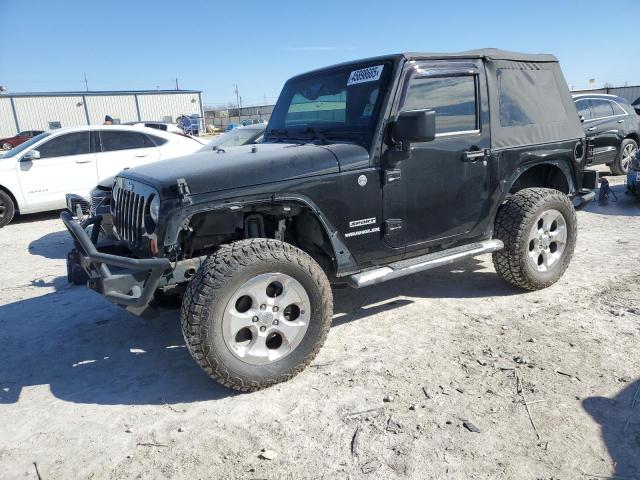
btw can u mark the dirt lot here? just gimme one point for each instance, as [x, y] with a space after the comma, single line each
[89, 391]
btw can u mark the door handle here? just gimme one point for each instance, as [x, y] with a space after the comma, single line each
[141, 156]
[83, 161]
[591, 129]
[473, 155]
[620, 121]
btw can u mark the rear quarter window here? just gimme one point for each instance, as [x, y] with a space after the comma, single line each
[529, 97]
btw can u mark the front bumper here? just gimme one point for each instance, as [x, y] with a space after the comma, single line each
[134, 283]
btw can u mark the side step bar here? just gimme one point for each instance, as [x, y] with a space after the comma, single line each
[422, 263]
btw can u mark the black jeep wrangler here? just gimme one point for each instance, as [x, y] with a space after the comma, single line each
[370, 171]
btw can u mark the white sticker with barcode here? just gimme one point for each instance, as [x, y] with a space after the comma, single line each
[369, 74]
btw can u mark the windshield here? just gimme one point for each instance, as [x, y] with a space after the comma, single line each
[24, 146]
[237, 136]
[337, 104]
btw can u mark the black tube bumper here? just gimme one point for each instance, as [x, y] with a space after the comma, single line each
[134, 286]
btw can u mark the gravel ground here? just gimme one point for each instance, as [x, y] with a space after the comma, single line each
[89, 391]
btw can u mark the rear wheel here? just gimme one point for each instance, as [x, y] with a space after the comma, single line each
[539, 228]
[628, 150]
[7, 209]
[256, 313]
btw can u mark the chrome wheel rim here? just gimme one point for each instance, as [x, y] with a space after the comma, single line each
[627, 156]
[6, 146]
[547, 240]
[3, 209]
[266, 318]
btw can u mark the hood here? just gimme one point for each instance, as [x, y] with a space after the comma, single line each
[245, 166]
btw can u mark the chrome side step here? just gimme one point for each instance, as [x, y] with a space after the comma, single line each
[422, 263]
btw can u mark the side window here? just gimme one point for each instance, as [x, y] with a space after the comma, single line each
[157, 141]
[584, 108]
[617, 109]
[453, 99]
[77, 143]
[601, 108]
[113, 140]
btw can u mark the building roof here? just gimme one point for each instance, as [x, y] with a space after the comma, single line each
[94, 93]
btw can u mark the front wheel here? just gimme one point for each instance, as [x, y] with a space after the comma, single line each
[256, 313]
[538, 227]
[7, 209]
[628, 150]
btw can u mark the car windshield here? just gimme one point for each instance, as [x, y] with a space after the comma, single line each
[233, 138]
[336, 104]
[25, 146]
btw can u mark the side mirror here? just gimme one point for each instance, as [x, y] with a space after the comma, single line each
[416, 126]
[581, 117]
[30, 155]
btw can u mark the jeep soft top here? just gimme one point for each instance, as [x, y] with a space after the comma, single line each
[370, 170]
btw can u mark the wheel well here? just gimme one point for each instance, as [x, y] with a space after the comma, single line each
[13, 198]
[542, 175]
[635, 137]
[292, 223]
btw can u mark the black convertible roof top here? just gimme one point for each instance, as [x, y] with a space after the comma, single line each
[490, 53]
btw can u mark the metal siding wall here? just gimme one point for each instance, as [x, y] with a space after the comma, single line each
[156, 106]
[37, 112]
[7, 123]
[118, 106]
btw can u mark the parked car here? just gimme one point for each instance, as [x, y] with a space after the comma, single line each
[636, 106]
[100, 196]
[611, 126]
[11, 142]
[165, 127]
[238, 136]
[633, 177]
[371, 170]
[252, 121]
[36, 175]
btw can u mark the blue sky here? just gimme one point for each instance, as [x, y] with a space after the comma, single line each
[209, 46]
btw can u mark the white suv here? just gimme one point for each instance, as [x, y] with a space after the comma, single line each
[36, 175]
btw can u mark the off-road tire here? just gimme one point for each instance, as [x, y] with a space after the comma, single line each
[513, 223]
[8, 209]
[617, 167]
[213, 285]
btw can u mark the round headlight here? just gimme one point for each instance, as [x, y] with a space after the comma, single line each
[154, 208]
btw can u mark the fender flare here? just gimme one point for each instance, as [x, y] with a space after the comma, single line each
[343, 259]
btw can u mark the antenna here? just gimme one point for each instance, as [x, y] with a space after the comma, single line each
[86, 84]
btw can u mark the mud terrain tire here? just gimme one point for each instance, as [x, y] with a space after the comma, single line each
[525, 223]
[211, 295]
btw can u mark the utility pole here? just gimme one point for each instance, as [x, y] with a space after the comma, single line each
[86, 84]
[237, 101]
[177, 87]
[265, 99]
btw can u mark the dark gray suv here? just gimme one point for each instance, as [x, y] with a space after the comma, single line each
[611, 126]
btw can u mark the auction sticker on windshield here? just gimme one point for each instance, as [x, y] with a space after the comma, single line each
[369, 74]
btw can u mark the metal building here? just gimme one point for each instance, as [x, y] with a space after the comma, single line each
[46, 111]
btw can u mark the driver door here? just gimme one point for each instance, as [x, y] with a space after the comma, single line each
[66, 165]
[439, 191]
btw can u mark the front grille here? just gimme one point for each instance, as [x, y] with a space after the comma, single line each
[95, 203]
[129, 215]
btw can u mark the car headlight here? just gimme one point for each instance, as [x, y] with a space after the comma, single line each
[154, 208]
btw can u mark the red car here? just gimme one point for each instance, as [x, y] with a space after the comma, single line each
[9, 143]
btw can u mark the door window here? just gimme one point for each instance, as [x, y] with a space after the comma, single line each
[453, 99]
[121, 140]
[617, 109]
[77, 143]
[584, 109]
[601, 108]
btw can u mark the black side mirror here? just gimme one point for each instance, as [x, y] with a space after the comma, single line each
[416, 126]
